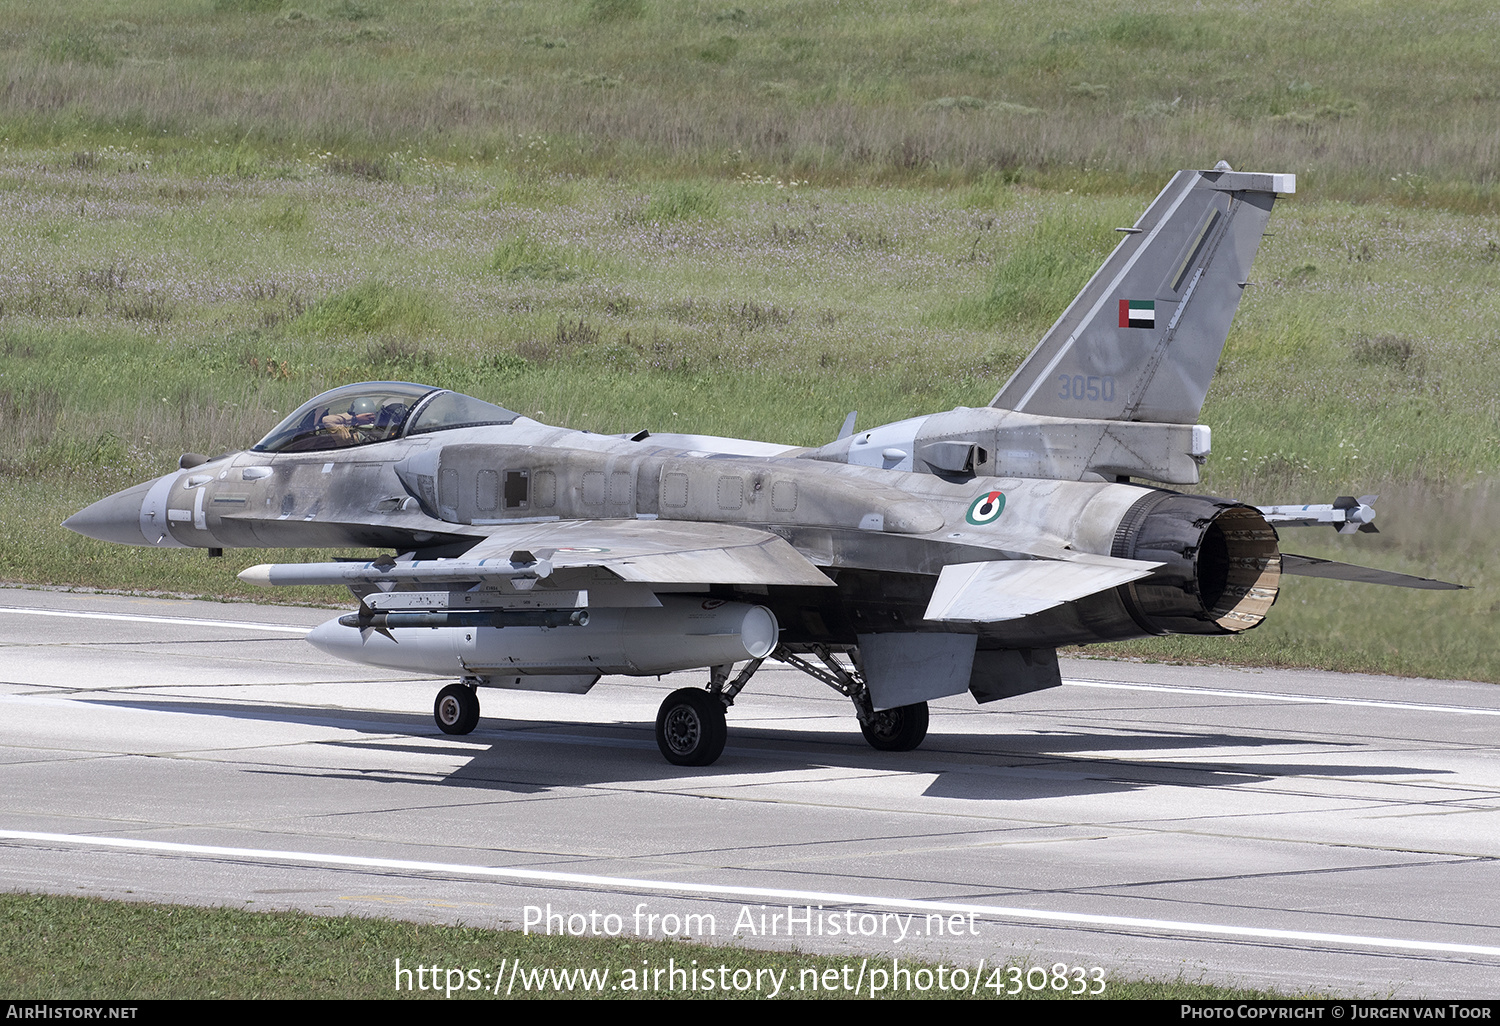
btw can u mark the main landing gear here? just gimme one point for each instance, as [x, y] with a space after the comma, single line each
[896, 730]
[691, 728]
[690, 725]
[890, 730]
[457, 709]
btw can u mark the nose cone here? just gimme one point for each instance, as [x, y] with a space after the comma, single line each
[113, 519]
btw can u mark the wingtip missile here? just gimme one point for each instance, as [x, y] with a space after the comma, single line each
[258, 575]
[1345, 514]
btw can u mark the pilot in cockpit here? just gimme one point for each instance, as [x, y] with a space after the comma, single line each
[365, 421]
[377, 411]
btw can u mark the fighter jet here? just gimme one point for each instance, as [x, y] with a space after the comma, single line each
[897, 565]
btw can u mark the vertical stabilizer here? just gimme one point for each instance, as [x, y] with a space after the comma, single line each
[1143, 338]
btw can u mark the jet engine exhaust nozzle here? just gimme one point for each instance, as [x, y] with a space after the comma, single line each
[1222, 564]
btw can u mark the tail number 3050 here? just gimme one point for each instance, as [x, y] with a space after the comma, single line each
[1092, 388]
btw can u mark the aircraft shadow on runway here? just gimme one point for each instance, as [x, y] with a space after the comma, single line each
[523, 756]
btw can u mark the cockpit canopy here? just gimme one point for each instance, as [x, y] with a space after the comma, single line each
[375, 411]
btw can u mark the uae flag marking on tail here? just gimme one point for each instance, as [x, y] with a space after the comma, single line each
[1137, 313]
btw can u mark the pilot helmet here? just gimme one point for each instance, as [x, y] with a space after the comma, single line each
[364, 404]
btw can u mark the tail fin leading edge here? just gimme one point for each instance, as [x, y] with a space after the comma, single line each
[1142, 340]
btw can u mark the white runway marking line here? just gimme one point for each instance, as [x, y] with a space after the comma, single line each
[184, 621]
[710, 891]
[1273, 696]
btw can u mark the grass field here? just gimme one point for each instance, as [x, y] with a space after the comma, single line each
[80, 948]
[1368, 99]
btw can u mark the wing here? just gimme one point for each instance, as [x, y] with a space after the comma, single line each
[636, 551]
[659, 551]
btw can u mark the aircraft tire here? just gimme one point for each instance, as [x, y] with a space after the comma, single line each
[690, 728]
[456, 709]
[897, 730]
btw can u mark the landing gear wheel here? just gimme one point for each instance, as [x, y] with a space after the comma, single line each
[456, 709]
[690, 728]
[897, 730]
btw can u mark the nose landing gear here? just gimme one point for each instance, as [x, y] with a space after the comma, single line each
[457, 709]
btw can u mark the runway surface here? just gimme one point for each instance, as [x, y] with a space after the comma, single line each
[1297, 830]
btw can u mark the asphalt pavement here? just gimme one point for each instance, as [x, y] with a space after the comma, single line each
[1298, 830]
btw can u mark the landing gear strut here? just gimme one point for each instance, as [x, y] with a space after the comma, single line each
[457, 709]
[890, 730]
[690, 726]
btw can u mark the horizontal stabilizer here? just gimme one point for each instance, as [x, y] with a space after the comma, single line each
[1310, 566]
[1010, 589]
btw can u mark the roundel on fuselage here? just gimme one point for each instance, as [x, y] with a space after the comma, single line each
[986, 509]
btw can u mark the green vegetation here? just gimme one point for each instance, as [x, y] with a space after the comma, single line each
[522, 257]
[370, 307]
[1038, 278]
[603, 215]
[676, 202]
[1366, 100]
[75, 948]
